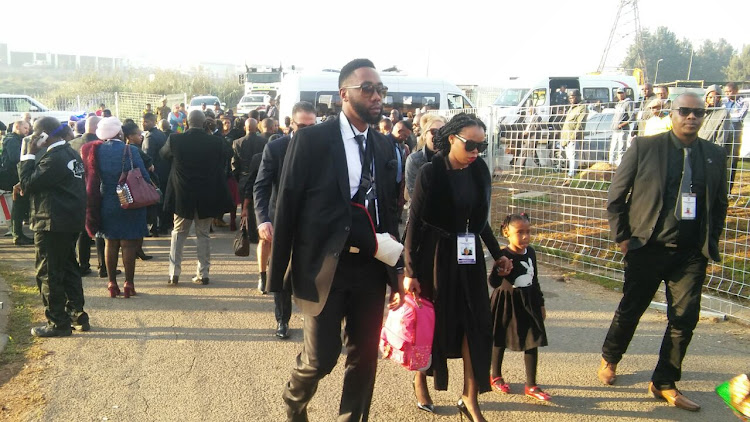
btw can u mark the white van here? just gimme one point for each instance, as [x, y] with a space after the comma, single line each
[540, 93]
[13, 106]
[405, 93]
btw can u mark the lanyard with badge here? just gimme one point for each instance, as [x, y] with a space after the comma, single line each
[689, 201]
[466, 247]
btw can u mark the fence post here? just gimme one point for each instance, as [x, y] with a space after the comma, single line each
[117, 106]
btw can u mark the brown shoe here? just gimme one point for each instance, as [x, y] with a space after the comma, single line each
[674, 398]
[607, 372]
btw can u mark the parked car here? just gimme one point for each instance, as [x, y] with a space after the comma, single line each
[597, 137]
[252, 101]
[12, 108]
[195, 102]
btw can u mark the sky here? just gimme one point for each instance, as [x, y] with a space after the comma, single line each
[467, 41]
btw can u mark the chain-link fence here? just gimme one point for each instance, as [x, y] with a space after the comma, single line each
[557, 167]
[123, 105]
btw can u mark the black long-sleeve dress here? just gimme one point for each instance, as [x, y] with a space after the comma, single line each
[444, 204]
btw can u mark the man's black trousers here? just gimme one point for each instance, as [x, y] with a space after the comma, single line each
[683, 271]
[58, 277]
[357, 296]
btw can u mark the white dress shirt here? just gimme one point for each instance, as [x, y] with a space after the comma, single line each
[353, 164]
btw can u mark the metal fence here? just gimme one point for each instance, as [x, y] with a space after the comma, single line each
[531, 173]
[124, 105]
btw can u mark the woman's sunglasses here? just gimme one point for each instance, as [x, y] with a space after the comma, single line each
[471, 145]
[434, 132]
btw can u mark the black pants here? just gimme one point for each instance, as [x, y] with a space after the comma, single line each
[84, 251]
[683, 271]
[18, 213]
[58, 277]
[283, 305]
[357, 296]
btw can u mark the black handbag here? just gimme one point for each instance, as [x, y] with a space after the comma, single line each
[242, 240]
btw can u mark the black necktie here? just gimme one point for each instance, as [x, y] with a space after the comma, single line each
[685, 182]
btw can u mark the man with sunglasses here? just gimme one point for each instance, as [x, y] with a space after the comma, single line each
[263, 193]
[335, 192]
[667, 204]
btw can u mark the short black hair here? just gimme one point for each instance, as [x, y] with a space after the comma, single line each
[512, 218]
[454, 127]
[407, 124]
[130, 128]
[151, 117]
[255, 114]
[350, 67]
[303, 106]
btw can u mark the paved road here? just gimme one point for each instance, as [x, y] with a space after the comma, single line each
[195, 353]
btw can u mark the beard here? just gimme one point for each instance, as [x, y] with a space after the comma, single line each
[364, 113]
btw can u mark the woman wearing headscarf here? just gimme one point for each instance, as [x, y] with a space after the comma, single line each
[448, 214]
[122, 229]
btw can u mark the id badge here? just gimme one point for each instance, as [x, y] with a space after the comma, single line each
[466, 248]
[688, 206]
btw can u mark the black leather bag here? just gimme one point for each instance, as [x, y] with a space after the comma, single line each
[242, 240]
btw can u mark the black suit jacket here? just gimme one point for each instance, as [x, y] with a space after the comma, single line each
[196, 182]
[313, 213]
[636, 194]
[153, 141]
[246, 158]
[265, 190]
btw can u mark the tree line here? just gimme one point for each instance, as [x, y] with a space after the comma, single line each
[712, 61]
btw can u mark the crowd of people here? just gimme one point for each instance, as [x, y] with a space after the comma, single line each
[561, 140]
[318, 197]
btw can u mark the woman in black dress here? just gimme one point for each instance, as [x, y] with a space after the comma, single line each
[450, 207]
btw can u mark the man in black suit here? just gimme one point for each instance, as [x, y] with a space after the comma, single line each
[337, 176]
[668, 229]
[153, 142]
[245, 162]
[197, 192]
[265, 190]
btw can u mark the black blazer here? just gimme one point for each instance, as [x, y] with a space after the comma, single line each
[266, 188]
[636, 194]
[313, 212]
[153, 141]
[196, 182]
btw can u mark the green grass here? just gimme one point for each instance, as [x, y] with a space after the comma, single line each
[24, 296]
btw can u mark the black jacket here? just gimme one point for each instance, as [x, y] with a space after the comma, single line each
[56, 189]
[265, 190]
[9, 160]
[153, 142]
[314, 213]
[196, 182]
[636, 194]
[243, 166]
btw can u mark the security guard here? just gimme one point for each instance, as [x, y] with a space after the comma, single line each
[58, 208]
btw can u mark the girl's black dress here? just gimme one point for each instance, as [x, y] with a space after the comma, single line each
[517, 315]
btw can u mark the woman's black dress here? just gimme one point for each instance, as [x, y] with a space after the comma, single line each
[445, 203]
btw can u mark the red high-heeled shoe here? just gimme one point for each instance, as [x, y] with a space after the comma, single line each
[129, 290]
[114, 290]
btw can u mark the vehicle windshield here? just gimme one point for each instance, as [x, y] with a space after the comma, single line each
[200, 100]
[252, 99]
[510, 97]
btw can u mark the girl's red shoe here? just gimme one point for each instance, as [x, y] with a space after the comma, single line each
[536, 393]
[499, 385]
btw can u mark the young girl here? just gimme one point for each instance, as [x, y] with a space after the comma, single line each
[518, 308]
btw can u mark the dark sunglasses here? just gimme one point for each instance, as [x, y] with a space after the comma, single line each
[471, 145]
[434, 132]
[300, 125]
[369, 88]
[685, 111]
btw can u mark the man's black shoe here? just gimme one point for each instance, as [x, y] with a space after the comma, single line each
[200, 280]
[85, 271]
[173, 280]
[82, 324]
[8, 234]
[282, 331]
[49, 331]
[22, 241]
